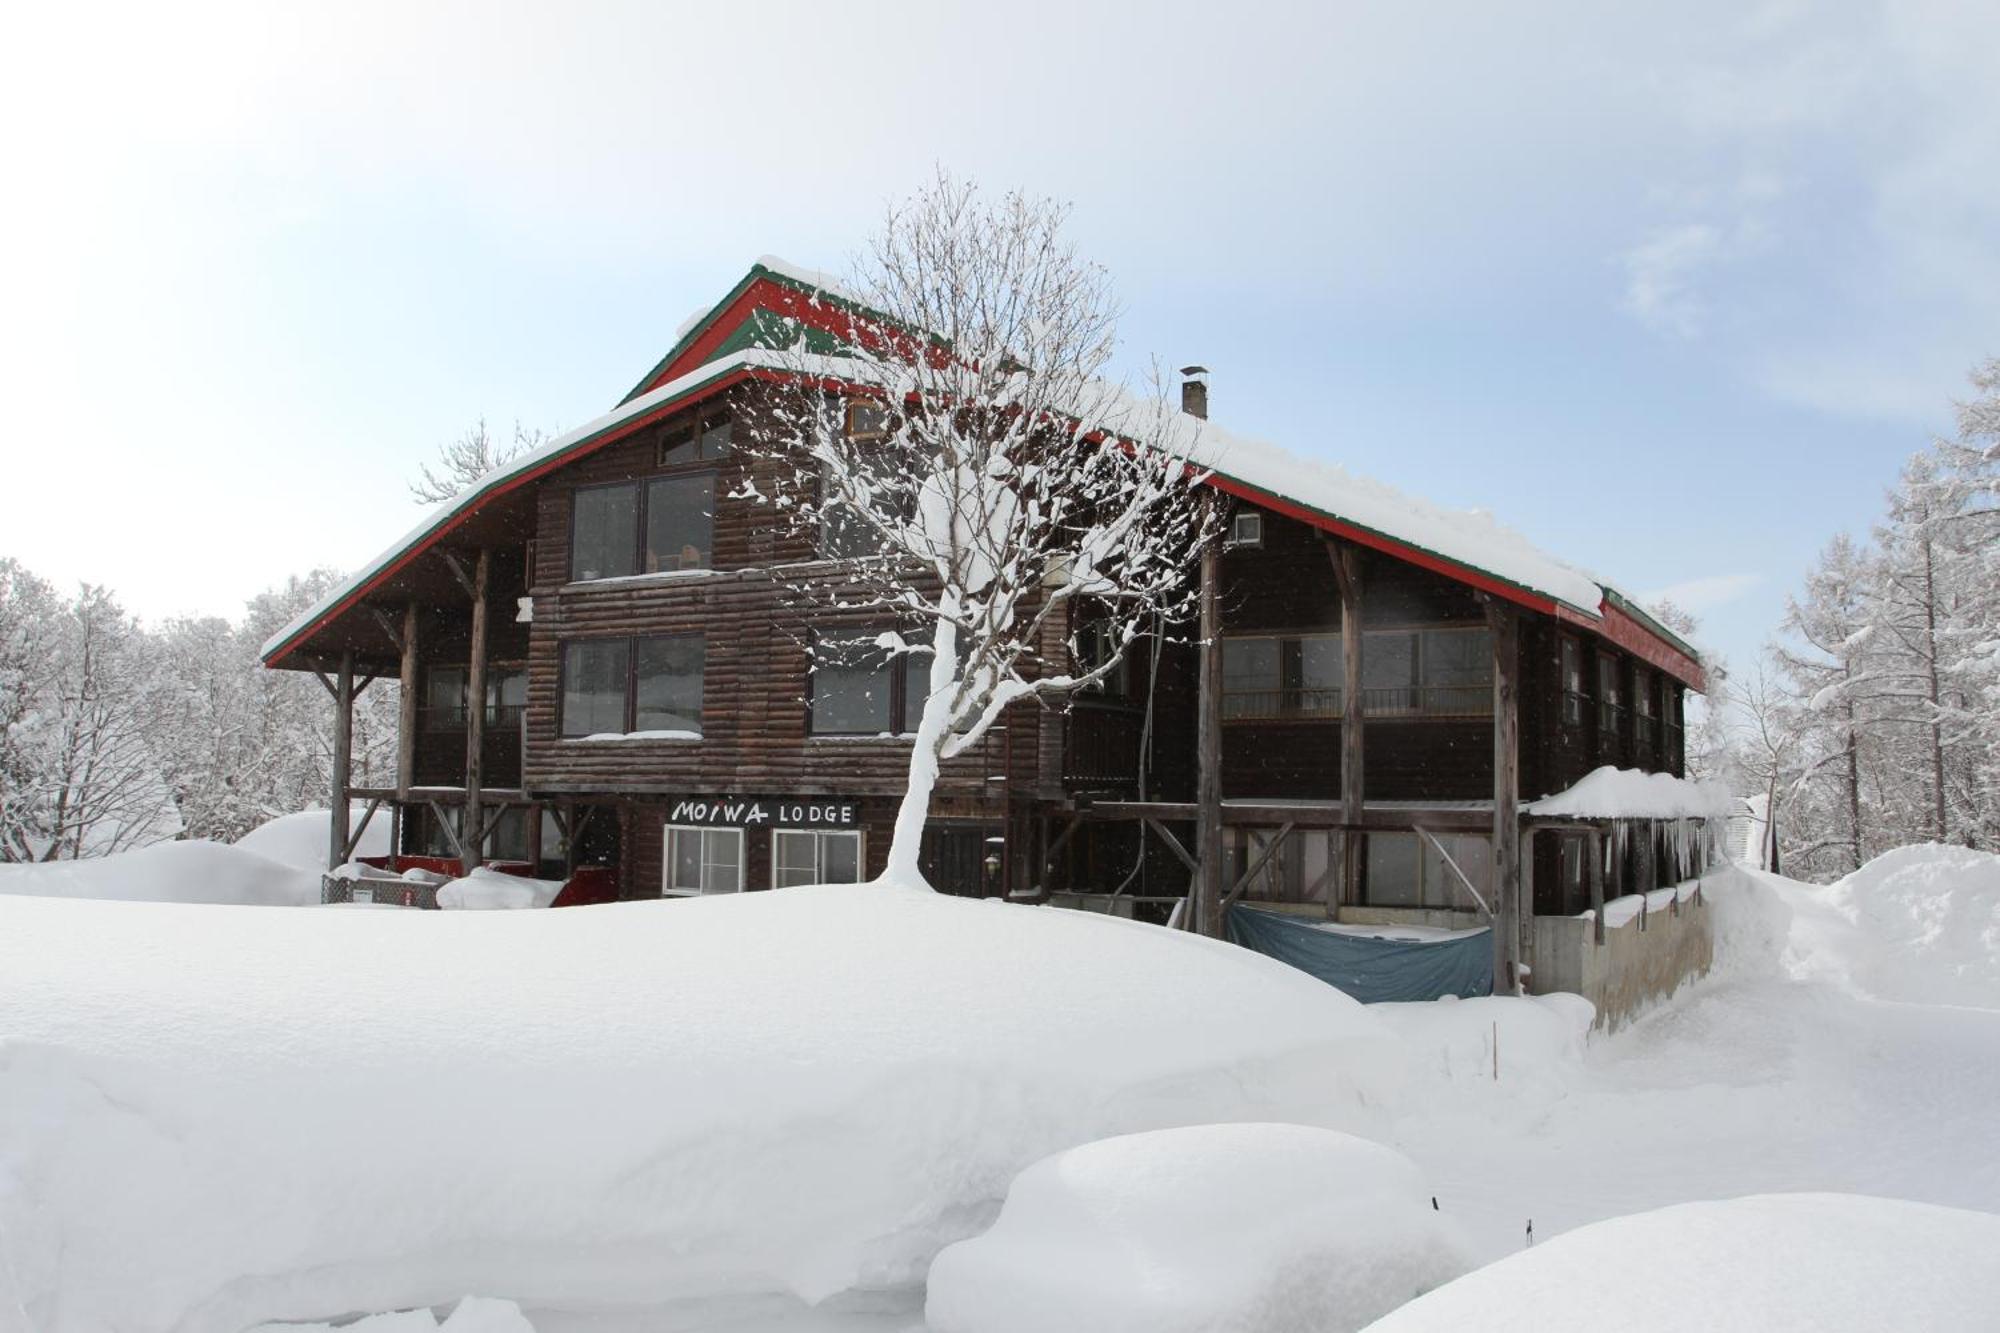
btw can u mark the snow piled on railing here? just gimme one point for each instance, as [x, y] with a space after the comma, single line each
[1629, 793]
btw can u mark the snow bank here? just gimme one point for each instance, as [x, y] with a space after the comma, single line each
[486, 889]
[1764, 1264]
[192, 871]
[1926, 926]
[1540, 1038]
[1253, 1226]
[300, 840]
[210, 1118]
[1629, 793]
[474, 1314]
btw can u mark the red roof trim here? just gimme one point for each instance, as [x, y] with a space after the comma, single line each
[588, 444]
[1632, 635]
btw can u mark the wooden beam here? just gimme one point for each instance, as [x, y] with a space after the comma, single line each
[1174, 845]
[338, 813]
[1596, 854]
[1347, 574]
[458, 570]
[365, 681]
[1485, 908]
[389, 627]
[450, 835]
[1510, 919]
[406, 722]
[1269, 814]
[1206, 890]
[475, 712]
[354, 841]
[1049, 857]
[1263, 859]
[327, 681]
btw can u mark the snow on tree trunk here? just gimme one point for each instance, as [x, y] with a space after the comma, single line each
[990, 498]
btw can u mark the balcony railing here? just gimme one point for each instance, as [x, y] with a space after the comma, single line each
[1407, 701]
[500, 718]
[1101, 744]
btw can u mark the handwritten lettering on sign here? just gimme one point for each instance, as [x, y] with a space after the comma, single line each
[771, 811]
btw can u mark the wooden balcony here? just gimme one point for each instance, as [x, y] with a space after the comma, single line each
[1101, 745]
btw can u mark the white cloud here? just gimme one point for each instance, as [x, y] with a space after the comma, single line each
[1662, 276]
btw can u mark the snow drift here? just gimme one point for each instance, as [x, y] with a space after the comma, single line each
[1814, 1263]
[1212, 1227]
[1926, 923]
[190, 871]
[213, 1117]
[299, 840]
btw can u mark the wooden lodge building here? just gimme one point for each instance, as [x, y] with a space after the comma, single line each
[606, 681]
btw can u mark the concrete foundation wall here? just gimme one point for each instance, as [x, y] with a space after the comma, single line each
[1647, 958]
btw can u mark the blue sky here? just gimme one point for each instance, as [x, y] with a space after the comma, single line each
[1673, 295]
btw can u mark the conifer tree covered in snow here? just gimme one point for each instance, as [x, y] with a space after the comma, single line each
[1888, 699]
[113, 734]
[1019, 519]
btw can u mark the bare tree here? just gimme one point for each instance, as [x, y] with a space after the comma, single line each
[467, 459]
[1022, 520]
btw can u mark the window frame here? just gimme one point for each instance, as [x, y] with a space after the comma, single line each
[1254, 519]
[641, 488]
[820, 837]
[1570, 651]
[1610, 704]
[894, 665]
[631, 643]
[696, 427]
[1293, 692]
[669, 832]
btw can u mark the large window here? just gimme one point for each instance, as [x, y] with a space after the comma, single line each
[702, 860]
[859, 689]
[652, 527]
[625, 686]
[807, 856]
[444, 699]
[1404, 673]
[1644, 701]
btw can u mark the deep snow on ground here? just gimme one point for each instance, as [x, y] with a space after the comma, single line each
[189, 871]
[300, 839]
[211, 1117]
[1787, 1263]
[1201, 1228]
[418, 1105]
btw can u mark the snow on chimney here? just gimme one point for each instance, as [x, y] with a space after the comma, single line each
[1194, 391]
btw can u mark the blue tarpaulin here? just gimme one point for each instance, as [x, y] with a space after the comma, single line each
[1371, 970]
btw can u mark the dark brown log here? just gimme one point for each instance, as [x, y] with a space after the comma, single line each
[1206, 894]
[406, 723]
[1511, 914]
[474, 829]
[1347, 574]
[343, 762]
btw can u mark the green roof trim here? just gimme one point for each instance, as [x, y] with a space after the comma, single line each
[1644, 617]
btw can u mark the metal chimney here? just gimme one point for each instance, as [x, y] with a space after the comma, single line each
[1194, 391]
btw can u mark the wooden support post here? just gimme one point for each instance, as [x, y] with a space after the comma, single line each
[343, 761]
[1510, 919]
[1353, 788]
[1206, 891]
[1595, 850]
[406, 724]
[361, 830]
[474, 827]
[534, 818]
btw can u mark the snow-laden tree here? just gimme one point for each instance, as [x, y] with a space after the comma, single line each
[1018, 520]
[468, 459]
[1824, 661]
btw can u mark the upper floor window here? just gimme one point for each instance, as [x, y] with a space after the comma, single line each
[867, 419]
[702, 440]
[1246, 528]
[1409, 673]
[1095, 646]
[627, 686]
[446, 687]
[859, 689]
[1573, 698]
[1610, 698]
[630, 527]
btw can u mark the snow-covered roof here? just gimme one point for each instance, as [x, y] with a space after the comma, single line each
[1628, 793]
[1467, 544]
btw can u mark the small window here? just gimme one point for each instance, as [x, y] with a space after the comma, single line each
[867, 419]
[803, 856]
[703, 860]
[700, 441]
[858, 689]
[604, 523]
[506, 696]
[597, 676]
[680, 522]
[1610, 698]
[1572, 682]
[1246, 528]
